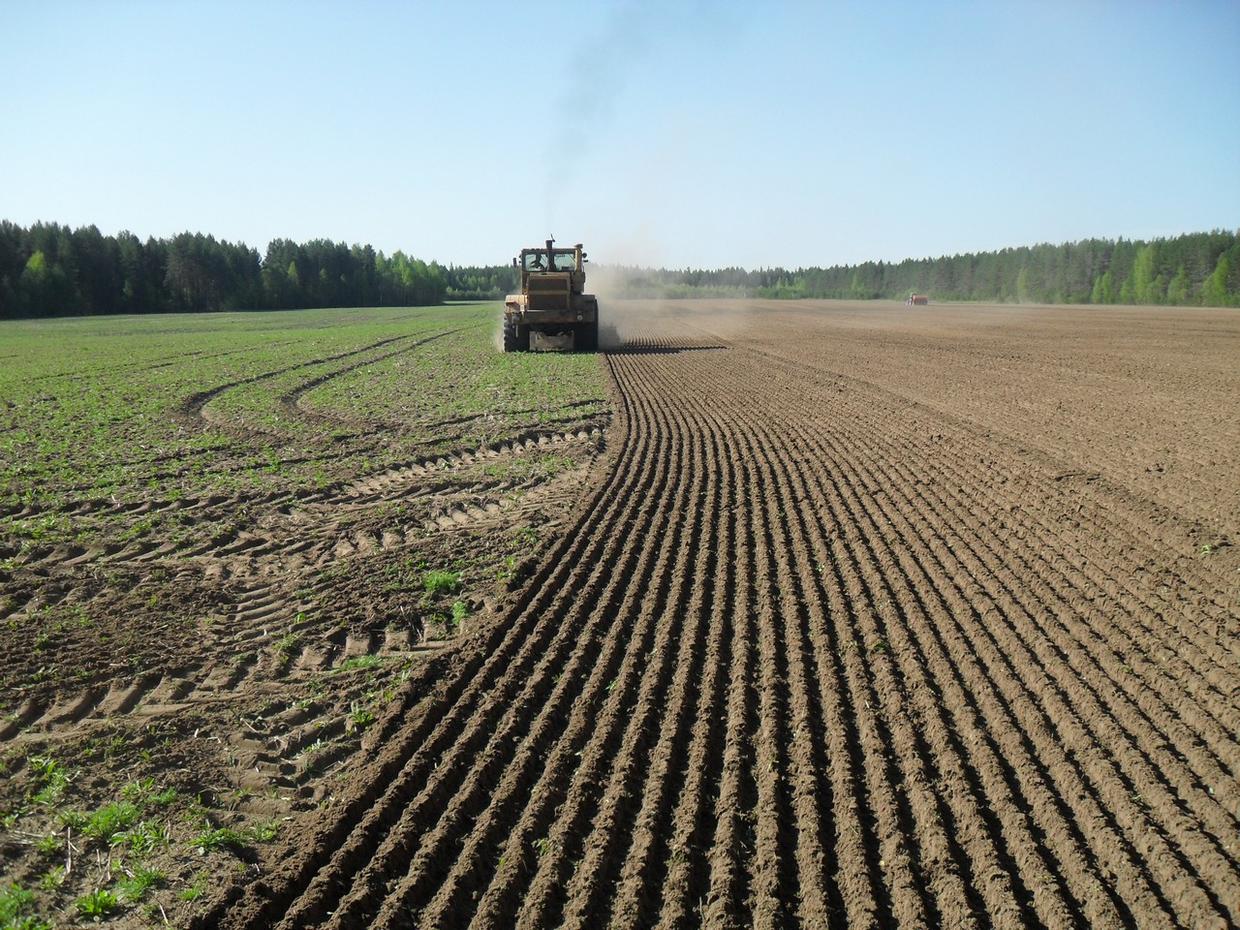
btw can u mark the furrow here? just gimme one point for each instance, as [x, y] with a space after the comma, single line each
[345, 843]
[632, 627]
[1139, 885]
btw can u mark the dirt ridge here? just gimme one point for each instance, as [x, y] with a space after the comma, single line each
[810, 654]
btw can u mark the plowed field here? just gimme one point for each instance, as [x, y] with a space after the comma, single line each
[871, 616]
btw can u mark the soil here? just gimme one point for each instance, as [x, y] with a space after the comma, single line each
[862, 615]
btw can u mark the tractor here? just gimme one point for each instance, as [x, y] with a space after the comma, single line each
[551, 313]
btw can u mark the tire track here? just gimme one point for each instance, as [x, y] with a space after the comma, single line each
[193, 405]
[806, 657]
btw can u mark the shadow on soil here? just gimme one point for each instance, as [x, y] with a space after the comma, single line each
[638, 349]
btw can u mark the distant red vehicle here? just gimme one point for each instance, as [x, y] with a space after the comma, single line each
[918, 300]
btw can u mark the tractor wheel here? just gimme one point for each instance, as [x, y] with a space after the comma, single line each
[585, 338]
[516, 338]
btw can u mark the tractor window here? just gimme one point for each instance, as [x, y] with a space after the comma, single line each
[561, 261]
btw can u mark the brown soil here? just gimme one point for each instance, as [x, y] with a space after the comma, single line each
[868, 616]
[876, 617]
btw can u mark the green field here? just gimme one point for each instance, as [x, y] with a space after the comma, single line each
[226, 543]
[126, 409]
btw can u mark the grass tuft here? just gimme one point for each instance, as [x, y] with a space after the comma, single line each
[218, 838]
[15, 902]
[143, 838]
[135, 887]
[439, 581]
[110, 820]
[349, 665]
[97, 905]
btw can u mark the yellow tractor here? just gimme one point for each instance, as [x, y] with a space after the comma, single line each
[551, 313]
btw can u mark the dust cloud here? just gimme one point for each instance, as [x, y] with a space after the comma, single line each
[630, 307]
[633, 303]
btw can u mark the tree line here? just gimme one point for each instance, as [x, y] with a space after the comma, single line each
[1192, 269]
[49, 269]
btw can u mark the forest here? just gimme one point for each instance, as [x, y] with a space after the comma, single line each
[50, 270]
[1192, 269]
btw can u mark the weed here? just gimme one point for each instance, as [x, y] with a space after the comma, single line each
[880, 647]
[110, 820]
[135, 886]
[49, 845]
[265, 832]
[52, 777]
[143, 838]
[438, 581]
[144, 794]
[526, 537]
[97, 905]
[349, 665]
[537, 466]
[361, 717]
[218, 838]
[194, 891]
[460, 610]
[52, 879]
[51, 417]
[509, 570]
[287, 643]
[16, 903]
[139, 528]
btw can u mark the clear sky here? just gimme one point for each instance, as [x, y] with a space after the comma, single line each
[701, 134]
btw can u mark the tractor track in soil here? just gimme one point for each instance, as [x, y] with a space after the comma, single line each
[268, 573]
[271, 572]
[810, 654]
[197, 405]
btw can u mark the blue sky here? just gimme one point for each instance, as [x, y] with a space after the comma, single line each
[701, 134]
